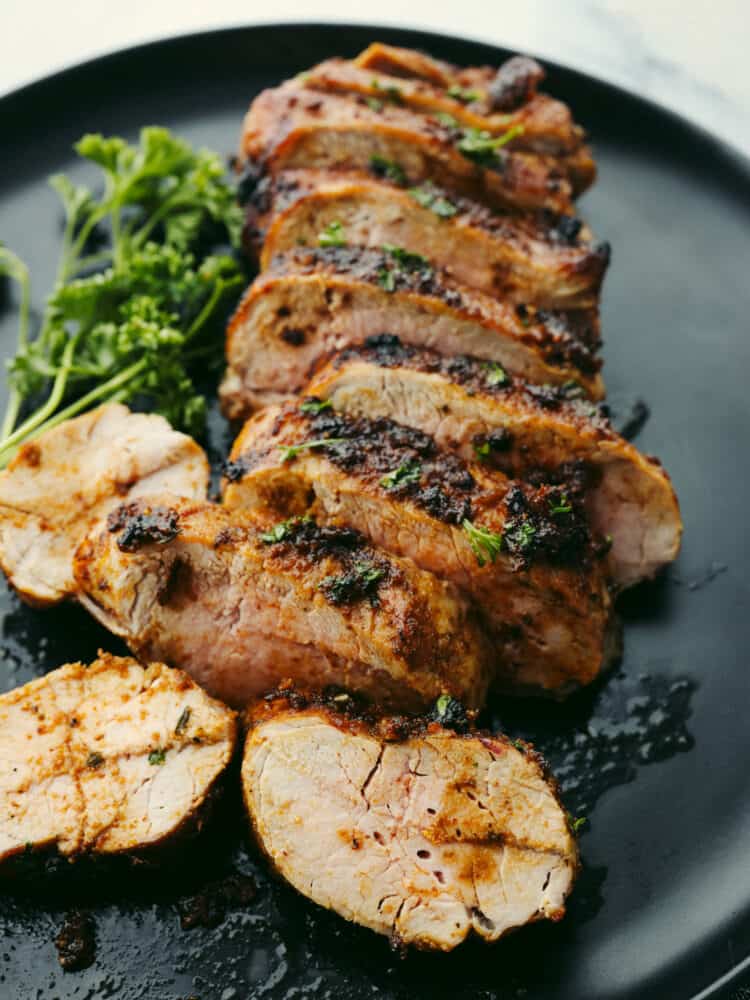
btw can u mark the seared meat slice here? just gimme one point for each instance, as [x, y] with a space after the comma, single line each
[415, 831]
[523, 554]
[524, 430]
[311, 302]
[241, 609]
[66, 480]
[540, 124]
[108, 758]
[293, 126]
[548, 260]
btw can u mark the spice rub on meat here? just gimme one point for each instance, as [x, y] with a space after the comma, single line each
[60, 485]
[549, 260]
[541, 433]
[240, 608]
[313, 301]
[420, 833]
[294, 126]
[523, 554]
[111, 757]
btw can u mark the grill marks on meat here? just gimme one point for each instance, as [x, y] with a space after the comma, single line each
[292, 126]
[545, 599]
[68, 479]
[333, 298]
[547, 260]
[108, 758]
[241, 609]
[529, 432]
[425, 838]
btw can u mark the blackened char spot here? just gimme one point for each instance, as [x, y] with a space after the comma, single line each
[293, 337]
[76, 941]
[140, 524]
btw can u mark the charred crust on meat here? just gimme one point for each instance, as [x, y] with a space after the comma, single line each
[76, 941]
[140, 524]
[547, 524]
[293, 337]
[515, 83]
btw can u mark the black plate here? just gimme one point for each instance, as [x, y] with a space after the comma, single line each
[663, 909]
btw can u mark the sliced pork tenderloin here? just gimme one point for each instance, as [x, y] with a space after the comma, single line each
[293, 126]
[524, 555]
[61, 484]
[240, 608]
[111, 757]
[550, 261]
[411, 829]
[314, 301]
[526, 431]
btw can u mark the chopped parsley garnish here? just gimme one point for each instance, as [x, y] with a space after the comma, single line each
[448, 120]
[157, 757]
[290, 451]
[387, 279]
[575, 824]
[332, 236]
[496, 374]
[450, 712]
[281, 531]
[482, 449]
[521, 747]
[406, 259]
[374, 104]
[483, 147]
[314, 405]
[486, 545]
[464, 95]
[518, 536]
[428, 196]
[406, 473]
[94, 760]
[388, 169]
[183, 720]
[563, 506]
[389, 91]
[360, 581]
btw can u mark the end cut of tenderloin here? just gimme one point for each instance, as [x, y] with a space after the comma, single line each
[418, 832]
[108, 758]
[312, 302]
[241, 609]
[58, 486]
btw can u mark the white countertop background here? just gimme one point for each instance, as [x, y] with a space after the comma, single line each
[690, 55]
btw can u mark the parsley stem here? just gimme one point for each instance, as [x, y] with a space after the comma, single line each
[21, 275]
[219, 288]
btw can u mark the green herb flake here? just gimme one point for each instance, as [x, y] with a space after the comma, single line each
[332, 236]
[281, 531]
[482, 147]
[406, 259]
[157, 757]
[404, 475]
[517, 537]
[388, 169]
[576, 824]
[464, 95]
[288, 452]
[360, 582]
[374, 104]
[387, 279]
[429, 197]
[391, 92]
[183, 720]
[448, 120]
[482, 450]
[442, 705]
[94, 760]
[314, 405]
[561, 507]
[495, 374]
[486, 545]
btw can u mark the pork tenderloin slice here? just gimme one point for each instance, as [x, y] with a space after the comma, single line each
[543, 595]
[111, 757]
[548, 261]
[520, 430]
[425, 837]
[292, 126]
[70, 477]
[541, 124]
[240, 610]
[313, 302]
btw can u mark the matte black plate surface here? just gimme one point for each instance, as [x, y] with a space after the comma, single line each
[658, 757]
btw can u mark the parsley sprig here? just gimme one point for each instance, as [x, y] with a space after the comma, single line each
[484, 148]
[135, 292]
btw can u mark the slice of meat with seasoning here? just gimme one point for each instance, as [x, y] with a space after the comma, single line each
[60, 485]
[415, 831]
[292, 126]
[483, 414]
[311, 302]
[108, 758]
[524, 555]
[550, 261]
[241, 608]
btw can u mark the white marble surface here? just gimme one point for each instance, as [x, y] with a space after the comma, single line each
[690, 55]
